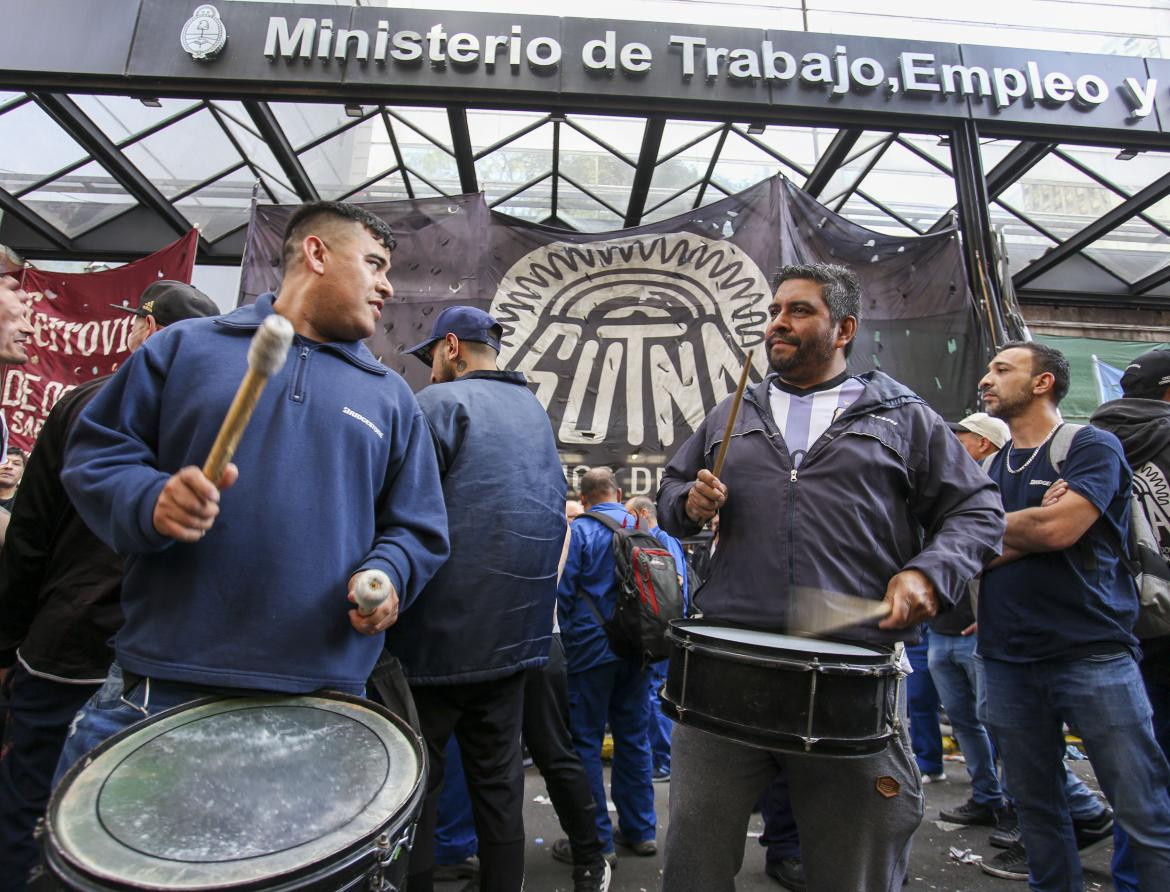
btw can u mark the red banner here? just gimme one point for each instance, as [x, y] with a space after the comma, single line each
[77, 335]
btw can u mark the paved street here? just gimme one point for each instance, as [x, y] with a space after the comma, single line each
[931, 868]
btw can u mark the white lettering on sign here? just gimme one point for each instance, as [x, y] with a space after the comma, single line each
[637, 338]
[836, 73]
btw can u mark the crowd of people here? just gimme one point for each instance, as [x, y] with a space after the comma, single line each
[997, 544]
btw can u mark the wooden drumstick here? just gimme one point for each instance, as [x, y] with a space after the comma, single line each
[266, 355]
[743, 376]
[371, 589]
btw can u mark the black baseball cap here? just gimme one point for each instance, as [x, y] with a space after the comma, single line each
[467, 324]
[1148, 375]
[169, 301]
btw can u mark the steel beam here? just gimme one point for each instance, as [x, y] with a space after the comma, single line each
[38, 224]
[711, 166]
[644, 172]
[464, 152]
[273, 134]
[830, 162]
[878, 149]
[1014, 165]
[978, 242]
[1153, 280]
[1103, 225]
[66, 113]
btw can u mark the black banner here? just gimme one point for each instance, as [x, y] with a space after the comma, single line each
[629, 338]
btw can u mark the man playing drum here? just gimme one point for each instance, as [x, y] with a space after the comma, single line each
[245, 590]
[841, 482]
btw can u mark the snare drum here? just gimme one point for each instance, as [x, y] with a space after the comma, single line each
[315, 792]
[781, 692]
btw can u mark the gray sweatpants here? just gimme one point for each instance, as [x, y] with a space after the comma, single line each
[853, 837]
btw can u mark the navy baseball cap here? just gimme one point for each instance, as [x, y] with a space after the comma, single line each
[1148, 375]
[467, 324]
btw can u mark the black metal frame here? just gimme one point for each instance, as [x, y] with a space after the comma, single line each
[156, 218]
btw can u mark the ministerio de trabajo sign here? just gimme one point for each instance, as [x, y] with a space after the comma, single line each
[275, 50]
[689, 56]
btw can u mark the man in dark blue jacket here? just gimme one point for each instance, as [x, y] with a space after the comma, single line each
[603, 687]
[240, 588]
[842, 482]
[486, 616]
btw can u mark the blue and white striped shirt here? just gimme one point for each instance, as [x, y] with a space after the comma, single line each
[802, 417]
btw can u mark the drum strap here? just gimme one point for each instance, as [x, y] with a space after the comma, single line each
[388, 682]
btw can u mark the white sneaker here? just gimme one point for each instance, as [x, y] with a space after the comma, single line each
[934, 778]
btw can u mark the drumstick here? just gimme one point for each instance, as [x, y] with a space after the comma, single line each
[371, 589]
[266, 355]
[815, 612]
[747, 364]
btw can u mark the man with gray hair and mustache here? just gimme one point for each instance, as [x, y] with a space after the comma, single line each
[837, 481]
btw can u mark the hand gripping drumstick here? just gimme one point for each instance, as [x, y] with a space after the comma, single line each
[747, 364]
[371, 589]
[266, 355]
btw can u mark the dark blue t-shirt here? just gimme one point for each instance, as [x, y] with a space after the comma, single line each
[1070, 603]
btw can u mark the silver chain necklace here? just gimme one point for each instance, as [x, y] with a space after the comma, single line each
[1007, 458]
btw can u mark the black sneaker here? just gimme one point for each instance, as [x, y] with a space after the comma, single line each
[592, 879]
[1094, 830]
[971, 813]
[1010, 864]
[1007, 828]
[788, 872]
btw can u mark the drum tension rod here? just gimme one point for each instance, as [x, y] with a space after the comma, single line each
[809, 740]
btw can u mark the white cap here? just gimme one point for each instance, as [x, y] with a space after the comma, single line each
[983, 425]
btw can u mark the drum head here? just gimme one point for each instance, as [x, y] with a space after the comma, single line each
[233, 792]
[774, 641]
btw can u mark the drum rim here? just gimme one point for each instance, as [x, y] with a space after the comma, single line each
[56, 852]
[692, 627]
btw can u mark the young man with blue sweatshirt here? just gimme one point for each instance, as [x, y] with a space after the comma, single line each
[237, 588]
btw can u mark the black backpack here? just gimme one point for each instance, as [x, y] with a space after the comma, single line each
[648, 593]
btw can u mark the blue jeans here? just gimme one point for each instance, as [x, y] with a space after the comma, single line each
[925, 737]
[1123, 866]
[659, 726]
[1083, 804]
[111, 710]
[615, 692]
[1102, 697]
[455, 838]
[953, 670]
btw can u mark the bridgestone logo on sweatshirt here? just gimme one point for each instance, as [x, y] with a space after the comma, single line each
[346, 410]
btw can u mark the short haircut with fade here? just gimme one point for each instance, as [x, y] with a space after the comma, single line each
[1045, 359]
[310, 216]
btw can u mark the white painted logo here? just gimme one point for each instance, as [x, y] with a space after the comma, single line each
[204, 34]
[346, 410]
[646, 331]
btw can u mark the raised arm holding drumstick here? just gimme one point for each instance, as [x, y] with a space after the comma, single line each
[248, 580]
